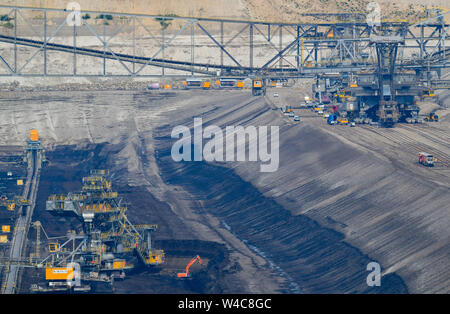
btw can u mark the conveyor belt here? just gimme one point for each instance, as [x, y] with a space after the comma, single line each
[199, 68]
[10, 280]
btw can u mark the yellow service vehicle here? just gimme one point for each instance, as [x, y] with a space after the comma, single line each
[258, 86]
[341, 120]
[317, 109]
[428, 93]
[432, 117]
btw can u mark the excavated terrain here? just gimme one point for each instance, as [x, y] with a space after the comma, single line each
[341, 198]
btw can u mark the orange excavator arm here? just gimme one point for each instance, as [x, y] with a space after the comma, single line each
[186, 274]
[197, 258]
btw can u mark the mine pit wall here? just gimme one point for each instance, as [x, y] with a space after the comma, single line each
[316, 258]
[331, 208]
[360, 200]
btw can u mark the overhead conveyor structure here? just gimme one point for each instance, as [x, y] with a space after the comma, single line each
[34, 157]
[239, 48]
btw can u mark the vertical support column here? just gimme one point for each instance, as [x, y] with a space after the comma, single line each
[421, 40]
[301, 57]
[15, 40]
[74, 48]
[354, 41]
[251, 46]
[192, 48]
[298, 48]
[104, 50]
[281, 45]
[315, 47]
[38, 239]
[221, 42]
[320, 55]
[315, 54]
[134, 45]
[149, 240]
[45, 42]
[163, 36]
[443, 41]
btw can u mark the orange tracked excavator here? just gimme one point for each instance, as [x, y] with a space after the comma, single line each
[186, 274]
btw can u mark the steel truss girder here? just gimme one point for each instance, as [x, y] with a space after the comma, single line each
[344, 40]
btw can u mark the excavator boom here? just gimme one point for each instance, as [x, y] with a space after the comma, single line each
[186, 274]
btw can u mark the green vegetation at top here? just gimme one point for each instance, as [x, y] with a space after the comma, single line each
[5, 18]
[166, 20]
[108, 17]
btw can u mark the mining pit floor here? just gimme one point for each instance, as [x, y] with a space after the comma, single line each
[341, 198]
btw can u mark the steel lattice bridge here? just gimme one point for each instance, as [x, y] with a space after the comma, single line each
[57, 42]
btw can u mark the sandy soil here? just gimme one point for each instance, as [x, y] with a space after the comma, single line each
[229, 8]
[279, 10]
